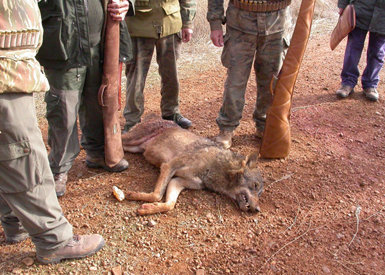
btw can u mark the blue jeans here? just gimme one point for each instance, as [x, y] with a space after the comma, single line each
[374, 58]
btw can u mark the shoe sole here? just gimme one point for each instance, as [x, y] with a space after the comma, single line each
[374, 99]
[57, 260]
[344, 96]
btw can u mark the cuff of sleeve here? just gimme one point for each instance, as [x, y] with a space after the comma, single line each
[188, 25]
[215, 25]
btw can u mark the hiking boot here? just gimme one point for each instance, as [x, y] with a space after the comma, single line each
[79, 247]
[180, 120]
[60, 183]
[344, 91]
[16, 237]
[225, 138]
[371, 94]
[99, 163]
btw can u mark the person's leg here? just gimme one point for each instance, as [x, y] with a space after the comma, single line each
[375, 60]
[136, 72]
[268, 61]
[353, 51]
[90, 112]
[91, 118]
[13, 229]
[27, 188]
[167, 54]
[237, 56]
[63, 101]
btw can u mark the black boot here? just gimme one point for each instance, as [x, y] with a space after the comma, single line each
[180, 120]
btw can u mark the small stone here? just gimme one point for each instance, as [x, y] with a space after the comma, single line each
[17, 271]
[151, 223]
[200, 272]
[117, 270]
[28, 261]
[325, 269]
[340, 236]
[93, 268]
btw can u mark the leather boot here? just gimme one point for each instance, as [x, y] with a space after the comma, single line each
[371, 94]
[344, 91]
[79, 247]
[225, 138]
[15, 237]
[180, 120]
[99, 163]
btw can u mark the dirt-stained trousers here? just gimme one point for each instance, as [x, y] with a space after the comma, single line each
[27, 188]
[240, 51]
[167, 53]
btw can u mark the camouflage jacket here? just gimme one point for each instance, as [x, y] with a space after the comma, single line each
[66, 42]
[370, 14]
[160, 18]
[261, 23]
[20, 38]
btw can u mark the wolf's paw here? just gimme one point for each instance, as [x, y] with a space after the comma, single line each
[148, 208]
[133, 196]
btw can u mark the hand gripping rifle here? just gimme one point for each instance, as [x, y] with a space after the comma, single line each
[276, 139]
[109, 94]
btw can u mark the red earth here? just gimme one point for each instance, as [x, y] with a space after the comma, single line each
[322, 209]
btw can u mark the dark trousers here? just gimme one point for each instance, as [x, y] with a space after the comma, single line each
[374, 59]
[74, 91]
[167, 54]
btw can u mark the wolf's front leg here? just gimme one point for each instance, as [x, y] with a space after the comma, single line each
[174, 188]
[166, 173]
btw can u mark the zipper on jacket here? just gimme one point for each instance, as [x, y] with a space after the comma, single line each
[78, 26]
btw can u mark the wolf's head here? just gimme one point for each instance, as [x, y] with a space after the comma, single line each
[248, 184]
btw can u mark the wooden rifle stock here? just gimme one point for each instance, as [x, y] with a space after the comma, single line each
[109, 94]
[276, 139]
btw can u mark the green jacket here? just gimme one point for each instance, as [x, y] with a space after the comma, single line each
[66, 39]
[20, 39]
[160, 18]
[370, 14]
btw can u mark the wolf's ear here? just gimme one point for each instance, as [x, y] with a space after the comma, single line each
[252, 160]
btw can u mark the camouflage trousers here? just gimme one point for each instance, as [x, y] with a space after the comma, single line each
[27, 188]
[167, 53]
[239, 52]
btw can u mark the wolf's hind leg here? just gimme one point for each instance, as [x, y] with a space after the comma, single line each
[174, 188]
[166, 173]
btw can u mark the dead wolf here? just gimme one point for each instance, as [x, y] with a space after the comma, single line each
[190, 161]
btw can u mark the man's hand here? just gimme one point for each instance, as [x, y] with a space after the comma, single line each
[186, 34]
[217, 37]
[118, 9]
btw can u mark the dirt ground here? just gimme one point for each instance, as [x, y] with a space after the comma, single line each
[323, 206]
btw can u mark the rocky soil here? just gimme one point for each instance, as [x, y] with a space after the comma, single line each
[322, 209]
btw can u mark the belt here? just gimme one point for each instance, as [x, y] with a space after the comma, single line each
[19, 39]
[260, 5]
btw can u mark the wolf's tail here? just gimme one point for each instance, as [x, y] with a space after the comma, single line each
[146, 130]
